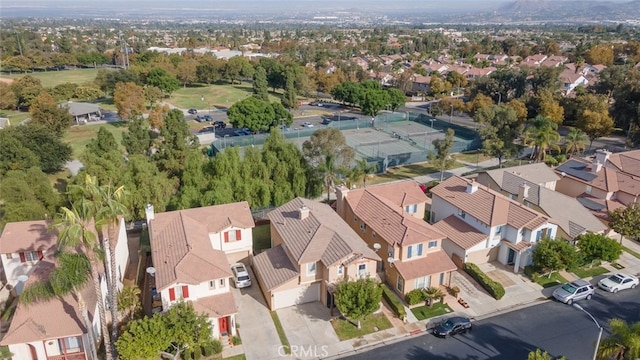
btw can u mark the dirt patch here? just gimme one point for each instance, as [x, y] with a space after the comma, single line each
[501, 277]
[5, 80]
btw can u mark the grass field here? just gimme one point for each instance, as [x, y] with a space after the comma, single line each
[346, 329]
[214, 95]
[78, 136]
[53, 78]
[15, 117]
[426, 312]
[406, 172]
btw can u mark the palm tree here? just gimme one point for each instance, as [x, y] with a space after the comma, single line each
[71, 275]
[575, 141]
[76, 233]
[432, 293]
[129, 300]
[543, 136]
[330, 174]
[363, 166]
[624, 342]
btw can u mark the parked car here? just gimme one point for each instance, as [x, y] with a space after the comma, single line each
[617, 282]
[284, 128]
[207, 129]
[192, 111]
[326, 121]
[452, 326]
[219, 124]
[240, 275]
[203, 118]
[307, 124]
[316, 103]
[573, 291]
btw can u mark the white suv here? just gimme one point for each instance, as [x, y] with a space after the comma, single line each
[575, 290]
[240, 275]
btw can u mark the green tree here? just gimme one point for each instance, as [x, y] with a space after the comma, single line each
[258, 115]
[626, 221]
[153, 94]
[26, 89]
[51, 152]
[542, 355]
[64, 92]
[87, 93]
[186, 71]
[129, 302]
[260, 84]
[432, 294]
[46, 112]
[289, 99]
[624, 342]
[347, 92]
[327, 142]
[553, 255]
[595, 124]
[137, 139]
[549, 107]
[542, 135]
[177, 142]
[26, 195]
[396, 98]
[14, 155]
[598, 247]
[358, 299]
[164, 81]
[8, 100]
[574, 142]
[147, 185]
[442, 157]
[499, 129]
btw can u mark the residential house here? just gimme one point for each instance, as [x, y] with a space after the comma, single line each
[570, 79]
[534, 60]
[390, 217]
[191, 251]
[483, 225]
[54, 329]
[534, 186]
[475, 72]
[554, 61]
[421, 84]
[604, 183]
[312, 249]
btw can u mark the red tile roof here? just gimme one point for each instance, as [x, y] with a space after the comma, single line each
[216, 306]
[27, 236]
[520, 246]
[461, 233]
[180, 246]
[434, 263]
[274, 267]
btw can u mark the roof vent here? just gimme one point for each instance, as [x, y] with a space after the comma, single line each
[303, 212]
[472, 187]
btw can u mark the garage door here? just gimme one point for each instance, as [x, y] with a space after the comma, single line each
[299, 295]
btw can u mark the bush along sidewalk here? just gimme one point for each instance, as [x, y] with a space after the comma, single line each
[494, 288]
[393, 301]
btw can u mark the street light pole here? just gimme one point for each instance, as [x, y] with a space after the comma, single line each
[451, 115]
[595, 352]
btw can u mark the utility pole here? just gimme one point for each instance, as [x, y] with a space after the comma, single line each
[19, 43]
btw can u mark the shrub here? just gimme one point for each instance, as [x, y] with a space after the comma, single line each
[207, 350]
[454, 291]
[393, 301]
[414, 297]
[236, 340]
[494, 288]
[197, 355]
[531, 273]
[216, 346]
[187, 354]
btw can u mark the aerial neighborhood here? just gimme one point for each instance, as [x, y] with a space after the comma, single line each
[332, 184]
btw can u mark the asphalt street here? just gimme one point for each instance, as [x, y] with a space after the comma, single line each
[560, 329]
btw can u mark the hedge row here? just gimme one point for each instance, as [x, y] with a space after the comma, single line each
[494, 288]
[393, 301]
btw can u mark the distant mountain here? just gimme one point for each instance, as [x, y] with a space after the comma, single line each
[565, 11]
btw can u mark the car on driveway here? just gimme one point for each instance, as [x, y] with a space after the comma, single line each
[307, 124]
[452, 326]
[617, 282]
[240, 275]
[573, 291]
[192, 111]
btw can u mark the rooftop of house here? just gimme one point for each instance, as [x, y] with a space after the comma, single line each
[52, 319]
[486, 205]
[81, 108]
[608, 179]
[627, 162]
[27, 236]
[537, 173]
[434, 263]
[461, 233]
[382, 208]
[181, 248]
[274, 267]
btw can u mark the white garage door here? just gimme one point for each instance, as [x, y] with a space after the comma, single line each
[299, 295]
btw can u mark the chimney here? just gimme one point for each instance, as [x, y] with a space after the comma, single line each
[472, 187]
[523, 192]
[602, 156]
[596, 166]
[303, 212]
[149, 212]
[341, 195]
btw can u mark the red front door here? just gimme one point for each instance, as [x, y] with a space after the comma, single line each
[224, 325]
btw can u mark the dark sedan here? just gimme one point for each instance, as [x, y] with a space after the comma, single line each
[452, 326]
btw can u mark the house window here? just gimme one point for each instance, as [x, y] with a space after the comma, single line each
[539, 235]
[409, 252]
[588, 189]
[441, 282]
[373, 233]
[433, 244]
[340, 270]
[411, 209]
[311, 269]
[221, 282]
[362, 270]
[522, 233]
[390, 250]
[461, 213]
[232, 236]
[70, 344]
[400, 284]
[179, 292]
[419, 252]
[363, 226]
[422, 282]
[30, 256]
[9, 256]
[212, 284]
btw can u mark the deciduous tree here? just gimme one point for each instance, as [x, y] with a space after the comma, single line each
[359, 298]
[260, 84]
[626, 221]
[26, 89]
[51, 152]
[600, 54]
[129, 99]
[499, 129]
[397, 98]
[553, 255]
[44, 111]
[598, 247]
[442, 156]
[136, 139]
[8, 99]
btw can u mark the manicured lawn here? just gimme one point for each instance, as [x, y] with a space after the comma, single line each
[223, 95]
[78, 136]
[53, 78]
[261, 238]
[472, 157]
[590, 272]
[406, 172]
[15, 117]
[347, 330]
[631, 252]
[237, 357]
[283, 337]
[425, 312]
[555, 279]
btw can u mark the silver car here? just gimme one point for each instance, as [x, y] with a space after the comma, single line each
[240, 275]
[617, 282]
[575, 290]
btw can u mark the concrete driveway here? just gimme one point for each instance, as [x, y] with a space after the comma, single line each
[309, 331]
[259, 336]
